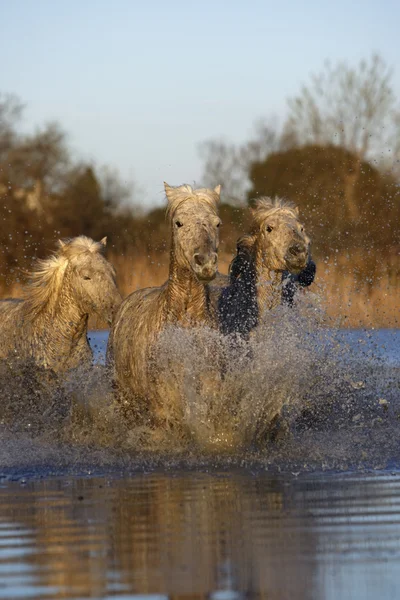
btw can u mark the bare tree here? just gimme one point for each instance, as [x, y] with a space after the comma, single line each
[10, 112]
[41, 158]
[221, 165]
[352, 107]
[118, 195]
[37, 164]
[229, 164]
[391, 160]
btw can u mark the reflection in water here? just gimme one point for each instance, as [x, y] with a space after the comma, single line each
[193, 535]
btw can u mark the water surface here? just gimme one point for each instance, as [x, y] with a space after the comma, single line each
[377, 344]
[199, 534]
[315, 517]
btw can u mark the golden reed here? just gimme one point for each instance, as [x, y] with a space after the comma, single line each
[372, 301]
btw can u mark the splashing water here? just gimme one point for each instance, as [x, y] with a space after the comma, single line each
[231, 390]
[293, 397]
[294, 379]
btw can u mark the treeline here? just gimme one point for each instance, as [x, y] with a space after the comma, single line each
[45, 195]
[336, 155]
[347, 203]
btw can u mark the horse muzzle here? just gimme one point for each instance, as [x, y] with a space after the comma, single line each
[205, 265]
[296, 257]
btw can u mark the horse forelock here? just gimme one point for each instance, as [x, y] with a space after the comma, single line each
[81, 244]
[265, 207]
[184, 193]
[245, 243]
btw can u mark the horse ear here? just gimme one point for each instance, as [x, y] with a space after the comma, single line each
[103, 241]
[296, 211]
[168, 190]
[217, 190]
[61, 244]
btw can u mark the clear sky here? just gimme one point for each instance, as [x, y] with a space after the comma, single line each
[137, 84]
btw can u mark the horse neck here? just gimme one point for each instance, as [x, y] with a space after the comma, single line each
[268, 282]
[187, 300]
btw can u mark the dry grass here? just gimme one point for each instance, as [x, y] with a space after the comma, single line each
[135, 273]
[369, 301]
[372, 303]
[346, 297]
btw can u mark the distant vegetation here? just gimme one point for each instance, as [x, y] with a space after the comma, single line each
[337, 156]
[348, 203]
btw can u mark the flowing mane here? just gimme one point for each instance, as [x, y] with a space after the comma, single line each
[50, 323]
[182, 193]
[45, 281]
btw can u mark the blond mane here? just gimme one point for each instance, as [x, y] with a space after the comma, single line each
[176, 196]
[75, 246]
[46, 279]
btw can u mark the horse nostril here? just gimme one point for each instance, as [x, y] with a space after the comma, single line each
[296, 249]
[200, 259]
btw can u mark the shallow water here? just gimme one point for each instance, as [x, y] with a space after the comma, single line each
[377, 344]
[215, 535]
[88, 511]
[338, 393]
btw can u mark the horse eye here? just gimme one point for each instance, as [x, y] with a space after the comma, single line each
[302, 229]
[86, 278]
[269, 228]
[219, 224]
[178, 223]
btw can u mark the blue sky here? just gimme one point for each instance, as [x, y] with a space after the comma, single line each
[138, 84]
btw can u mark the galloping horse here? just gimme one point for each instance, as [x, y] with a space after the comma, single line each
[182, 300]
[49, 325]
[276, 244]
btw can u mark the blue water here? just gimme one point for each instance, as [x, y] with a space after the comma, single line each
[375, 344]
[372, 344]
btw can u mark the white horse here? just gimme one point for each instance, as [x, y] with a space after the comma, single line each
[277, 244]
[49, 325]
[182, 300]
